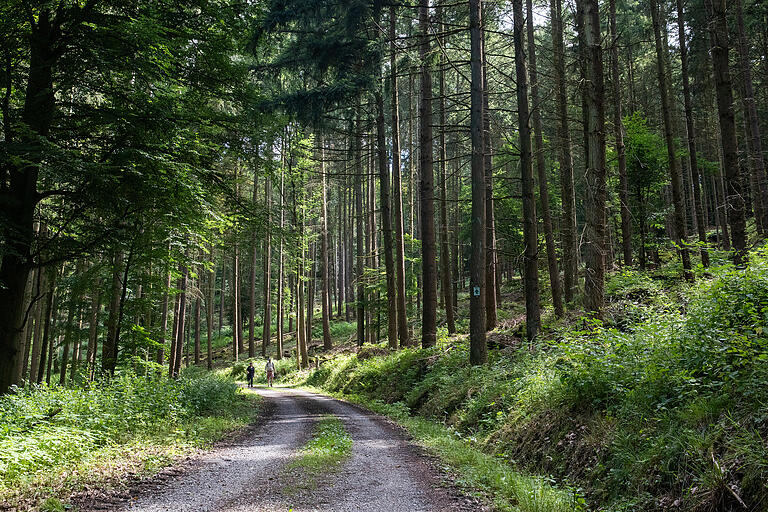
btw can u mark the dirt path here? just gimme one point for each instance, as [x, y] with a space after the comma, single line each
[384, 473]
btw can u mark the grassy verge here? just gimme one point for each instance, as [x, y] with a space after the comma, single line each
[56, 442]
[662, 406]
[476, 472]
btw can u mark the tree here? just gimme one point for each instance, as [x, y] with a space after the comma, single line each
[530, 236]
[674, 164]
[734, 199]
[426, 188]
[593, 93]
[478, 351]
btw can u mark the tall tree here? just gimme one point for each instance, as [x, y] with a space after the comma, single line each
[734, 200]
[445, 260]
[530, 237]
[754, 141]
[681, 233]
[478, 349]
[541, 171]
[397, 196]
[593, 92]
[266, 334]
[326, 294]
[568, 229]
[701, 224]
[618, 130]
[427, 188]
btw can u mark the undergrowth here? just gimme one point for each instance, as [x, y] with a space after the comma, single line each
[663, 406]
[56, 440]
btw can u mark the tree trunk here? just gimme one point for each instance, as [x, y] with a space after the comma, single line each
[386, 216]
[237, 344]
[568, 227]
[754, 144]
[197, 331]
[182, 322]
[93, 328]
[549, 237]
[326, 292]
[252, 287]
[19, 199]
[734, 200]
[47, 351]
[594, 100]
[360, 235]
[445, 260]
[478, 350]
[109, 348]
[267, 281]
[701, 224]
[618, 130]
[490, 221]
[669, 134]
[280, 309]
[530, 237]
[397, 198]
[209, 314]
[427, 189]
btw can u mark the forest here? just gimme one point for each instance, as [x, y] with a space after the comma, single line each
[532, 233]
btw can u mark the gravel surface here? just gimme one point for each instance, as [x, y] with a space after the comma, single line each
[384, 473]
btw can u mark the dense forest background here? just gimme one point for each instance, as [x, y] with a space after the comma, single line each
[190, 181]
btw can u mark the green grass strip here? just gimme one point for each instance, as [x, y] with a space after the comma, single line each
[475, 471]
[330, 446]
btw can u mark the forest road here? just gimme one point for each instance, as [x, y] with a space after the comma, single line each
[384, 472]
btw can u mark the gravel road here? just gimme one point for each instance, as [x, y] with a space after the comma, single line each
[384, 473]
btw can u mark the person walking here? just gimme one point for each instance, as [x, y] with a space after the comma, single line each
[251, 371]
[270, 368]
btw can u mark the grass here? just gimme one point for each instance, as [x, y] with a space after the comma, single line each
[328, 448]
[475, 471]
[55, 442]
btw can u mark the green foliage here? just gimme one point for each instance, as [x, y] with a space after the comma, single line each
[43, 431]
[666, 405]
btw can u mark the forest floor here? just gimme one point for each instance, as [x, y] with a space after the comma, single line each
[258, 472]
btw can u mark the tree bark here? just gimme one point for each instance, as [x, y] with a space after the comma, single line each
[326, 292]
[478, 349]
[209, 314]
[490, 220]
[252, 287]
[360, 234]
[280, 278]
[197, 331]
[549, 237]
[618, 130]
[109, 348]
[397, 199]
[182, 322]
[530, 237]
[701, 224]
[754, 144]
[445, 260]
[681, 233]
[266, 334]
[568, 227]
[588, 17]
[427, 189]
[237, 343]
[734, 200]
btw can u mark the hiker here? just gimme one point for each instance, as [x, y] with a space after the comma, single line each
[251, 371]
[270, 368]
